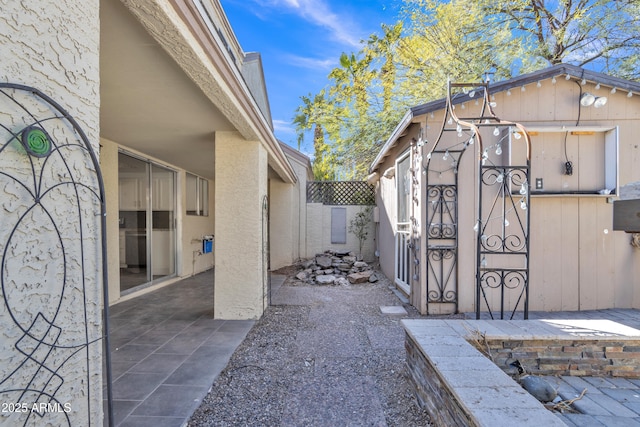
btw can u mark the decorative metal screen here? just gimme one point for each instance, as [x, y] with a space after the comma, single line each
[502, 215]
[503, 240]
[52, 266]
[341, 193]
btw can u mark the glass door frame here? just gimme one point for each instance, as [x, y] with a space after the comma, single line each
[148, 203]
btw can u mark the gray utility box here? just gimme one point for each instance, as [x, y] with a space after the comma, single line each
[626, 215]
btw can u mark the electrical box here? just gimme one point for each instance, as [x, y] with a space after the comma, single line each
[207, 244]
[626, 215]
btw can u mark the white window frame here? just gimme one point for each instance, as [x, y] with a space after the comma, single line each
[201, 207]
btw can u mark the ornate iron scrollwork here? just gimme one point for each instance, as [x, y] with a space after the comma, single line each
[52, 280]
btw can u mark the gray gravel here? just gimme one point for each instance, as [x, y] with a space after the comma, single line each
[320, 356]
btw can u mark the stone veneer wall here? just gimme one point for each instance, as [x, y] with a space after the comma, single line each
[569, 357]
[438, 394]
[460, 387]
[438, 399]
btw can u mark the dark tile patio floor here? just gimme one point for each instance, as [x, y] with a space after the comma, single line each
[166, 351]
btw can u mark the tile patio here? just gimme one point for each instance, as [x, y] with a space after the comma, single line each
[166, 351]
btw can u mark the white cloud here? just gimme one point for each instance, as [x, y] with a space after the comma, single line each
[283, 127]
[311, 63]
[342, 28]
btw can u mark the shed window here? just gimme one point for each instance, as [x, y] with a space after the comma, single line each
[197, 195]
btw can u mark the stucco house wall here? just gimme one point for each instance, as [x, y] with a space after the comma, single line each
[100, 60]
[204, 111]
[241, 224]
[577, 261]
[287, 212]
[65, 67]
[194, 228]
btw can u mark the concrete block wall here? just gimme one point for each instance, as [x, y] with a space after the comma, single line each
[319, 232]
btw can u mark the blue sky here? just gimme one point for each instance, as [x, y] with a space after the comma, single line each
[300, 42]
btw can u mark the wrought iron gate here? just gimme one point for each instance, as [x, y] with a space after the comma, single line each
[502, 201]
[53, 283]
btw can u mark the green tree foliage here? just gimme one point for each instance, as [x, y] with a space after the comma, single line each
[601, 34]
[312, 115]
[463, 40]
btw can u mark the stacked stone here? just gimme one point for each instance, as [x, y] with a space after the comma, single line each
[336, 268]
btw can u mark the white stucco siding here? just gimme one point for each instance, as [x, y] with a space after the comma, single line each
[282, 205]
[287, 217]
[240, 227]
[52, 46]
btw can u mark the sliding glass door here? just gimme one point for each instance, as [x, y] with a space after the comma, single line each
[147, 221]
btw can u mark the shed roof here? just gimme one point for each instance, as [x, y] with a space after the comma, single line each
[572, 71]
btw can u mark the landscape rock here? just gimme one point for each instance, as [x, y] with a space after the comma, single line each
[339, 268]
[341, 281]
[325, 279]
[341, 254]
[323, 261]
[361, 277]
[307, 264]
[539, 388]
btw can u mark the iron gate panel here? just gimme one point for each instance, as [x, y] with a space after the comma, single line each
[503, 240]
[442, 236]
[52, 283]
[502, 222]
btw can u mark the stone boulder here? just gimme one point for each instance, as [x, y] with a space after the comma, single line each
[361, 277]
[325, 279]
[324, 261]
[539, 388]
[341, 281]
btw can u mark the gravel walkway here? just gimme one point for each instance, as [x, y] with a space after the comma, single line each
[320, 356]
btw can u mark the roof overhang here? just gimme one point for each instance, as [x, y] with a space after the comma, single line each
[564, 70]
[199, 88]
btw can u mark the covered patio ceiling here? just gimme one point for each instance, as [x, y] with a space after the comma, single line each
[148, 103]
